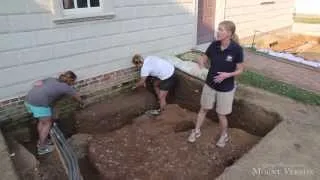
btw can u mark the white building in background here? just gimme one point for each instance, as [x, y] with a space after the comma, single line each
[307, 17]
[258, 15]
[307, 7]
[41, 38]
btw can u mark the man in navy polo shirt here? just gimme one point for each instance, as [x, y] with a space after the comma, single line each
[226, 62]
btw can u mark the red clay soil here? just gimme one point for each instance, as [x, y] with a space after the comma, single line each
[114, 112]
[312, 53]
[51, 167]
[149, 149]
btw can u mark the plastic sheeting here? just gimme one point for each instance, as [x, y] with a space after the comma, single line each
[188, 67]
[290, 57]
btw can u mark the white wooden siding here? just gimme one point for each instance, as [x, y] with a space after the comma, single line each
[33, 47]
[251, 16]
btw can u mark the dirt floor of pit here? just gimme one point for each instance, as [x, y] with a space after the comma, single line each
[28, 165]
[149, 148]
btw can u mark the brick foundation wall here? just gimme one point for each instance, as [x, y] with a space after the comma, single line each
[97, 89]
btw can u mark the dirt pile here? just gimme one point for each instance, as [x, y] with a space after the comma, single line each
[306, 47]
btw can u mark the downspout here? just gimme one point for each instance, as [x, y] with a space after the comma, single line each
[225, 7]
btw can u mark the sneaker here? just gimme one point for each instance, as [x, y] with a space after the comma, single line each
[194, 135]
[222, 140]
[49, 142]
[45, 149]
[154, 112]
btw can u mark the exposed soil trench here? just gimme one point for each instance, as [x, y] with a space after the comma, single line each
[116, 140]
[150, 148]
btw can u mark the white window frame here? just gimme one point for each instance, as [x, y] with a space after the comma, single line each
[61, 15]
[76, 10]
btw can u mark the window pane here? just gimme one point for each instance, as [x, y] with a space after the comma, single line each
[68, 4]
[94, 3]
[82, 3]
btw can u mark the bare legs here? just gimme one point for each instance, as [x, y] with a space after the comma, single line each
[161, 94]
[162, 99]
[43, 127]
[223, 123]
[200, 118]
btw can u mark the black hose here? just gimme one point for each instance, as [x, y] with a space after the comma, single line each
[71, 155]
[69, 158]
[67, 154]
[59, 148]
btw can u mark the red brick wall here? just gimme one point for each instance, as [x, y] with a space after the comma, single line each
[96, 88]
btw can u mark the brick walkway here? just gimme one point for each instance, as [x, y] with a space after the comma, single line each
[293, 74]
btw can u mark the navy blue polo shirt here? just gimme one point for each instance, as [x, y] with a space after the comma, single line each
[223, 61]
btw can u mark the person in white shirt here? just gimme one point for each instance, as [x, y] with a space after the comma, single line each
[161, 70]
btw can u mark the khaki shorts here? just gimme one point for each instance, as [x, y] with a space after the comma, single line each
[224, 100]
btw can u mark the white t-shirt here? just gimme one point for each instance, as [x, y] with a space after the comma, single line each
[156, 67]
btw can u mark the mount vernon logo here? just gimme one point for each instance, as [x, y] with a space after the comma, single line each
[229, 58]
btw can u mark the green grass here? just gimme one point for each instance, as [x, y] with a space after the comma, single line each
[192, 55]
[308, 19]
[259, 81]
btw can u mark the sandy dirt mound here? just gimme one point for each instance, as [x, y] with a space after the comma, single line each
[150, 149]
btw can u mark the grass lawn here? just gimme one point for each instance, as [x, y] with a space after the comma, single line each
[259, 81]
